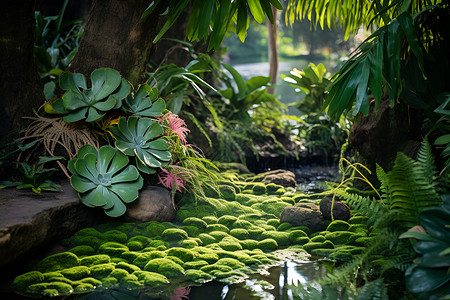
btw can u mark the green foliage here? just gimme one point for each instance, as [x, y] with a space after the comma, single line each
[144, 102]
[103, 178]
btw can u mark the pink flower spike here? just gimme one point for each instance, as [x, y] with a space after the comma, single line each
[177, 125]
[170, 180]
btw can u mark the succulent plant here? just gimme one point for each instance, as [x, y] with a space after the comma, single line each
[138, 137]
[107, 90]
[104, 179]
[145, 102]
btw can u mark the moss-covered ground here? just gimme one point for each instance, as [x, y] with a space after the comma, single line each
[225, 236]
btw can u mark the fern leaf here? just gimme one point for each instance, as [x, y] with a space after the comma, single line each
[375, 290]
[425, 160]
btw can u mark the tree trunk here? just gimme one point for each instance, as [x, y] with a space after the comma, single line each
[115, 37]
[20, 85]
[273, 51]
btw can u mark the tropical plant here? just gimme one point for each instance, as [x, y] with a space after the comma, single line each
[104, 179]
[139, 137]
[428, 277]
[79, 102]
[144, 103]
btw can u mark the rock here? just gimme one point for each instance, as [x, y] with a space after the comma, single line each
[280, 177]
[340, 210]
[304, 214]
[154, 204]
[30, 221]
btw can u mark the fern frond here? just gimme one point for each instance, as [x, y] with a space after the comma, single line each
[199, 126]
[425, 160]
[375, 290]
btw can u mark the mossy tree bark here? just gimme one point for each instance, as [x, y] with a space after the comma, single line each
[20, 85]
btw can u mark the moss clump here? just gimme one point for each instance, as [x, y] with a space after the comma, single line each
[259, 188]
[145, 257]
[102, 270]
[358, 220]
[174, 235]
[210, 219]
[338, 225]
[322, 252]
[364, 241]
[230, 244]
[195, 264]
[135, 245]
[86, 236]
[227, 220]
[228, 192]
[318, 239]
[193, 221]
[318, 245]
[271, 206]
[210, 258]
[239, 233]
[109, 282]
[119, 273]
[57, 262]
[130, 255]
[262, 258]
[164, 266]
[284, 226]
[22, 281]
[272, 188]
[249, 244]
[243, 199]
[231, 262]
[76, 273]
[95, 260]
[217, 227]
[82, 250]
[175, 259]
[157, 244]
[242, 224]
[358, 228]
[305, 229]
[273, 222]
[219, 235]
[183, 254]
[128, 267]
[198, 276]
[282, 238]
[89, 280]
[211, 269]
[189, 243]
[268, 244]
[84, 287]
[154, 229]
[254, 233]
[53, 288]
[112, 248]
[151, 278]
[295, 235]
[339, 237]
[115, 236]
[206, 239]
[191, 230]
[50, 276]
[131, 282]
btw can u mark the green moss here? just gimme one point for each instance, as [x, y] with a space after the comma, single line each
[262, 258]
[284, 226]
[216, 227]
[230, 244]
[189, 243]
[273, 222]
[339, 237]
[338, 225]
[231, 262]
[318, 239]
[210, 258]
[115, 236]
[82, 250]
[322, 252]
[191, 230]
[295, 234]
[145, 257]
[86, 236]
[305, 229]
[183, 254]
[192, 221]
[53, 288]
[242, 224]
[239, 233]
[119, 273]
[89, 280]
[109, 282]
[271, 206]
[354, 237]
[175, 259]
[102, 270]
[154, 229]
[358, 228]
[219, 235]
[151, 278]
[198, 276]
[243, 198]
[272, 188]
[142, 239]
[196, 264]
[131, 282]
[135, 245]
[95, 260]
[357, 220]
[130, 255]
[211, 269]
[249, 244]
[227, 220]
[76, 273]
[112, 248]
[268, 244]
[228, 192]
[254, 233]
[210, 219]
[84, 287]
[128, 267]
[57, 262]
[318, 245]
[51, 276]
[364, 241]
[174, 235]
[206, 239]
[164, 266]
[22, 281]
[157, 244]
[117, 260]
[282, 238]
[259, 189]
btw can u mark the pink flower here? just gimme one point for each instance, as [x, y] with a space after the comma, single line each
[176, 125]
[171, 180]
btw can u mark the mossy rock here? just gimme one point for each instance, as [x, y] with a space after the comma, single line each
[230, 244]
[89, 280]
[196, 264]
[95, 260]
[119, 273]
[109, 282]
[254, 233]
[102, 270]
[142, 239]
[272, 188]
[145, 257]
[266, 227]
[227, 220]
[210, 219]
[322, 252]
[242, 224]
[228, 192]
[364, 241]
[51, 276]
[284, 226]
[268, 244]
[318, 239]
[288, 200]
[189, 243]
[131, 282]
[158, 244]
[259, 189]
[282, 238]
[295, 234]
[175, 259]
[358, 228]
[52, 289]
[57, 262]
[249, 244]
[115, 236]
[354, 237]
[85, 236]
[183, 213]
[262, 258]
[216, 227]
[305, 229]
[273, 222]
[151, 279]
[184, 254]
[219, 235]
[339, 237]
[154, 229]
[206, 239]
[126, 266]
[211, 269]
[198, 276]
[354, 250]
[338, 225]
[239, 233]
[271, 206]
[243, 199]
[191, 230]
[22, 281]
[358, 220]
[82, 250]
[210, 258]
[165, 267]
[341, 256]
[318, 245]
[117, 260]
[112, 248]
[76, 273]
[135, 245]
[84, 288]
[193, 221]
[174, 235]
[231, 262]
